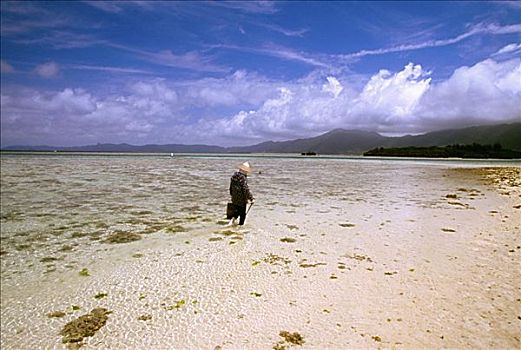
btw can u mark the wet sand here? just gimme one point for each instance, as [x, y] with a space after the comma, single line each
[377, 255]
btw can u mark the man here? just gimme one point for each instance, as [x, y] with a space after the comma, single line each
[240, 193]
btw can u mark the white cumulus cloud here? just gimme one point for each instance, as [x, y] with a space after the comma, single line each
[245, 108]
[509, 49]
[333, 86]
[390, 102]
[489, 91]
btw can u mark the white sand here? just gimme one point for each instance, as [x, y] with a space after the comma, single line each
[397, 266]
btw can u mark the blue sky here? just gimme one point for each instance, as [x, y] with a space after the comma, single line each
[239, 73]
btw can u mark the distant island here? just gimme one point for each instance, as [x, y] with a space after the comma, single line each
[452, 151]
[338, 141]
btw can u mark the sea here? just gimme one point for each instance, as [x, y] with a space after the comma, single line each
[61, 212]
[58, 207]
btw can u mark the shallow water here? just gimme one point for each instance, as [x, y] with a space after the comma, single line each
[58, 209]
[57, 212]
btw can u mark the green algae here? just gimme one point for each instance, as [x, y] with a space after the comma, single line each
[359, 257]
[141, 212]
[79, 234]
[175, 229]
[145, 317]
[274, 259]
[84, 326]
[101, 225]
[48, 259]
[305, 265]
[95, 236]
[12, 216]
[226, 233]
[84, 272]
[100, 295]
[376, 338]
[23, 246]
[122, 237]
[279, 346]
[179, 304]
[56, 314]
[293, 338]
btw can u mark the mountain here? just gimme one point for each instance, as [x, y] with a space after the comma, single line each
[508, 135]
[338, 141]
[333, 142]
[124, 147]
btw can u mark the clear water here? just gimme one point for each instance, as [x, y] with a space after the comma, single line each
[58, 210]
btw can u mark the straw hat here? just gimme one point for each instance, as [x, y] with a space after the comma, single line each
[245, 168]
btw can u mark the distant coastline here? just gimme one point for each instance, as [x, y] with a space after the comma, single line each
[335, 142]
[474, 151]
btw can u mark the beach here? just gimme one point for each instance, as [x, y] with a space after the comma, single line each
[336, 253]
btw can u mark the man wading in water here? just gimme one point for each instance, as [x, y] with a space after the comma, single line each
[240, 193]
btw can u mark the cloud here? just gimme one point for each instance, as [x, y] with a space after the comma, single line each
[6, 67]
[253, 7]
[106, 6]
[47, 70]
[280, 52]
[487, 92]
[238, 89]
[333, 86]
[109, 69]
[391, 98]
[20, 17]
[285, 31]
[390, 102]
[62, 40]
[245, 108]
[191, 60]
[509, 49]
[491, 29]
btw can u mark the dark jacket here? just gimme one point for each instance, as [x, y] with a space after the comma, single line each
[239, 189]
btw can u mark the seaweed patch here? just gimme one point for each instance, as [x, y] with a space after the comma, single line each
[100, 295]
[289, 339]
[145, 317]
[84, 272]
[56, 314]
[84, 326]
[122, 237]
